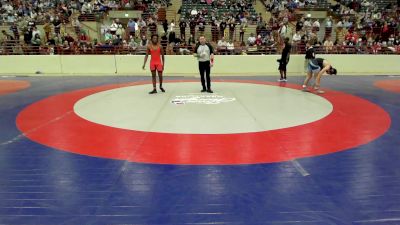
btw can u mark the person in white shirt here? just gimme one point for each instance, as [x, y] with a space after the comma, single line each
[328, 22]
[35, 31]
[86, 8]
[113, 27]
[193, 12]
[296, 37]
[222, 43]
[230, 46]
[316, 25]
[283, 31]
[251, 40]
[339, 24]
[307, 24]
[172, 26]
[328, 45]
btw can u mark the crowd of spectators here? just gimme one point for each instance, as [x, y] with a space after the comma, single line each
[369, 32]
[62, 30]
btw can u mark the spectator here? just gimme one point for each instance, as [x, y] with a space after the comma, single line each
[300, 24]
[251, 40]
[172, 37]
[316, 25]
[230, 46]
[87, 8]
[152, 26]
[328, 26]
[164, 41]
[259, 41]
[35, 31]
[6, 36]
[222, 27]
[142, 27]
[57, 25]
[340, 34]
[120, 31]
[116, 40]
[202, 28]
[36, 42]
[69, 38]
[14, 29]
[242, 31]
[232, 25]
[214, 31]
[183, 49]
[328, 45]
[192, 25]
[182, 29]
[192, 40]
[165, 26]
[307, 25]
[172, 26]
[107, 36]
[66, 49]
[113, 27]
[144, 42]
[83, 37]
[131, 27]
[222, 44]
[296, 42]
[296, 37]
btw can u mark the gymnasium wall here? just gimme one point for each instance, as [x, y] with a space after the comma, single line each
[187, 65]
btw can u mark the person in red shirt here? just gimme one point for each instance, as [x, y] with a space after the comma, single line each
[258, 40]
[157, 62]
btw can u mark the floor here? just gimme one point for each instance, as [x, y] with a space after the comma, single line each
[100, 150]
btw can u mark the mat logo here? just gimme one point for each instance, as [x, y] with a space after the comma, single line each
[201, 99]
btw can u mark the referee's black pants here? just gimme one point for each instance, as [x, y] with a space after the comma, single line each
[204, 68]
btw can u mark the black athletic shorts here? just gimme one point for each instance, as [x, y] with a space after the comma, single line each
[282, 66]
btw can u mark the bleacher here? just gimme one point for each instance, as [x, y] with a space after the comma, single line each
[223, 11]
[187, 7]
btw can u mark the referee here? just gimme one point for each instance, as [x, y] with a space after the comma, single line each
[205, 55]
[284, 60]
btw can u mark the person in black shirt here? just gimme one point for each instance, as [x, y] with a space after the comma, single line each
[57, 25]
[28, 36]
[182, 28]
[153, 27]
[316, 68]
[14, 29]
[191, 40]
[299, 25]
[202, 28]
[214, 31]
[165, 26]
[284, 60]
[172, 37]
[192, 26]
[232, 26]
[164, 42]
[222, 27]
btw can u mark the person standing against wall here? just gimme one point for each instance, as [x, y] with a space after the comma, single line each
[204, 52]
[284, 60]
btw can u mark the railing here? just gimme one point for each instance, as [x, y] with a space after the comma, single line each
[90, 17]
[16, 48]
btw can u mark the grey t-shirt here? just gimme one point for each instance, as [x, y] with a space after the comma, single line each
[203, 51]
